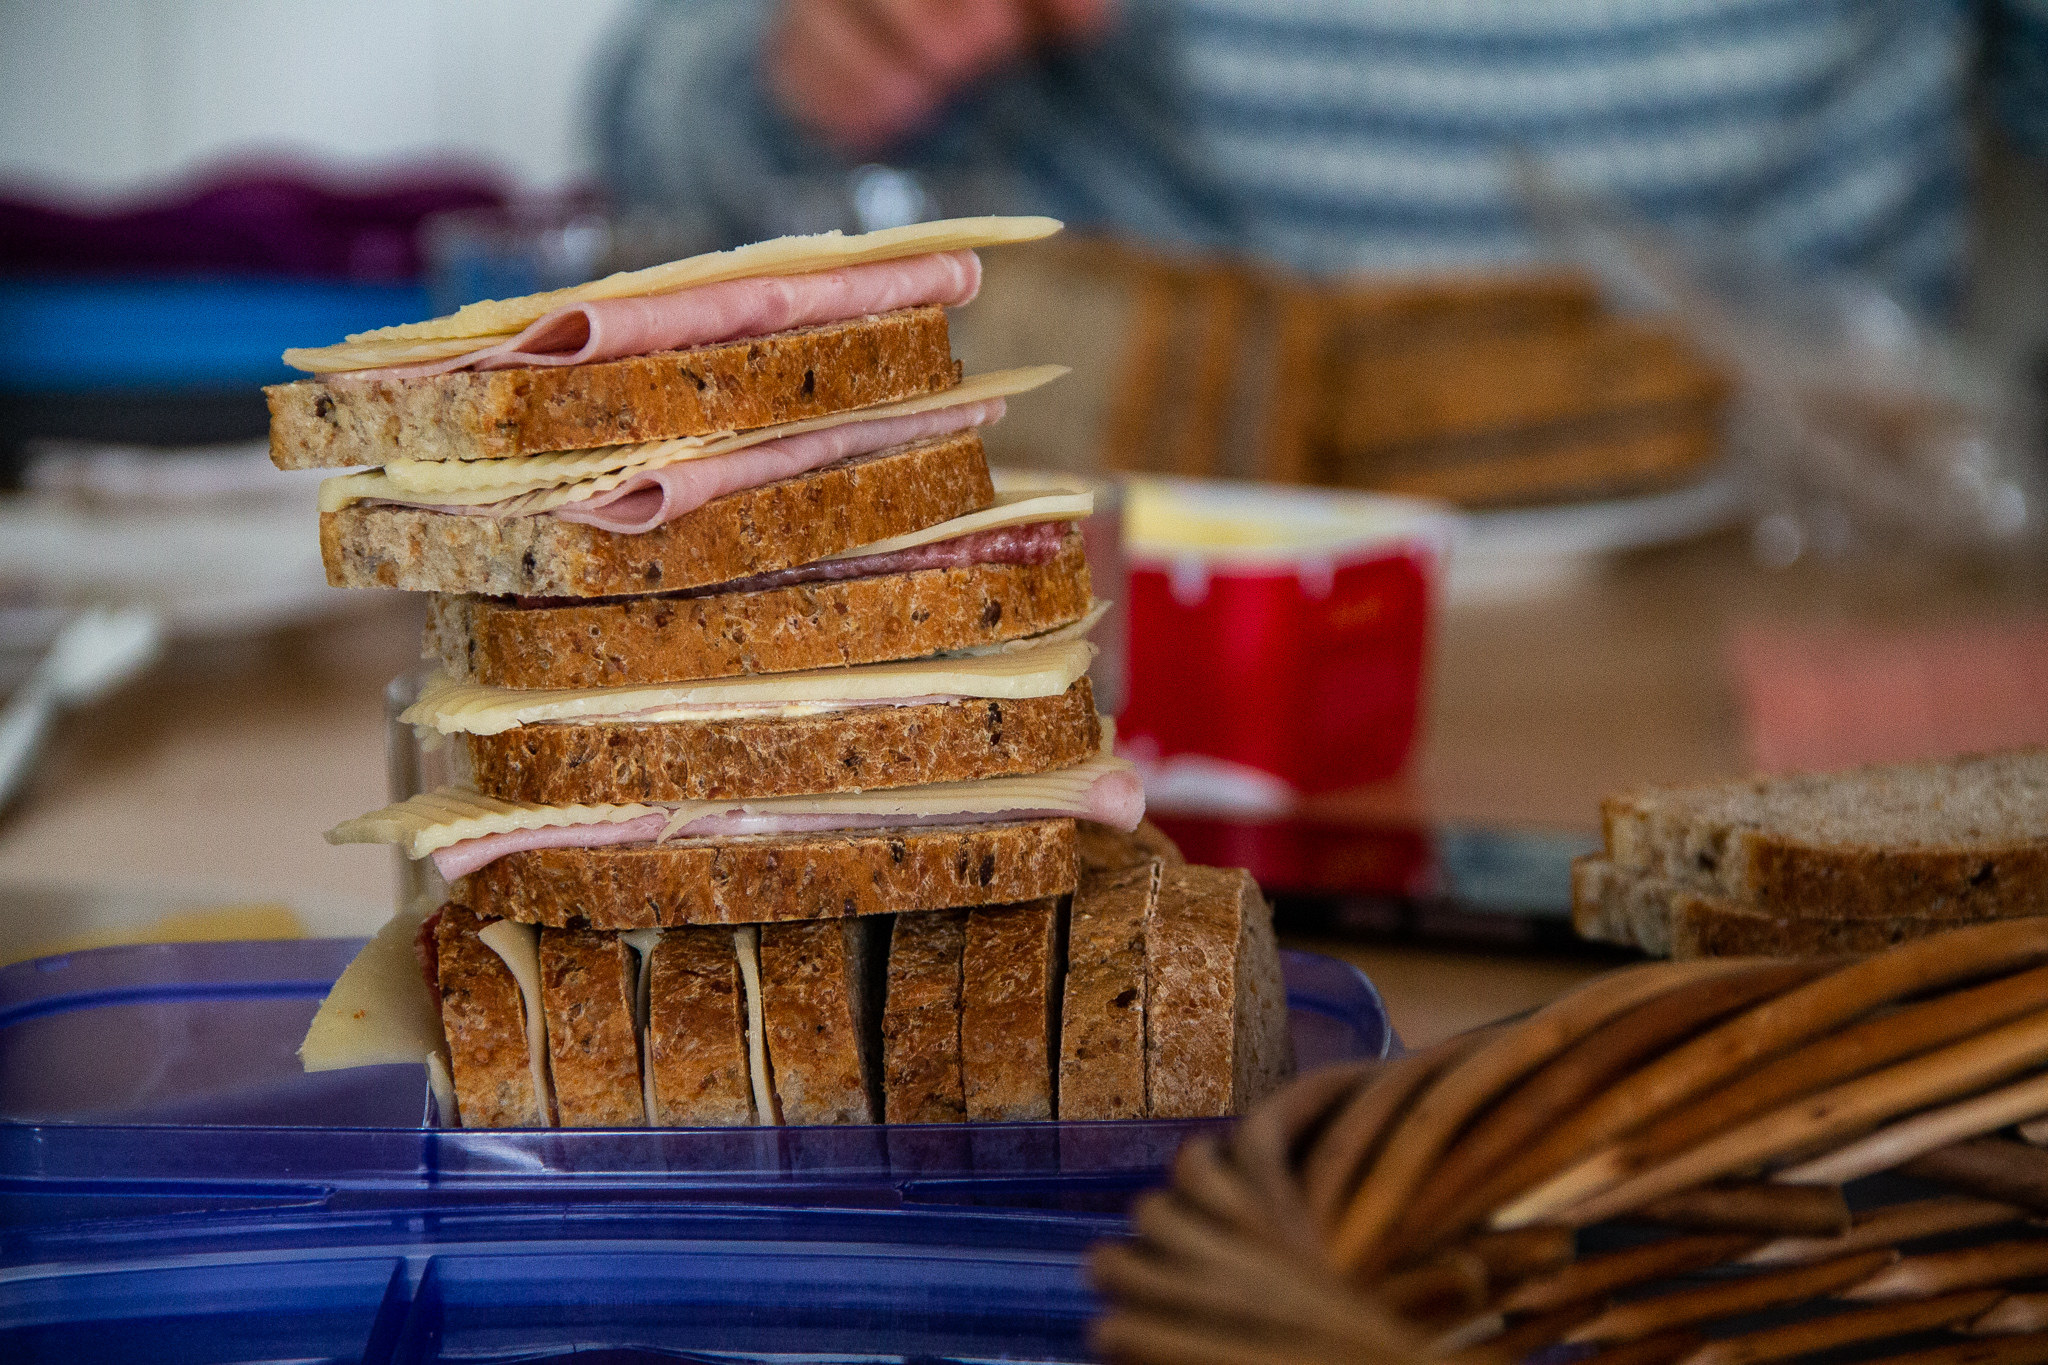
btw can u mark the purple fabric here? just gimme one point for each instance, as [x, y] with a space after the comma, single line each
[252, 221]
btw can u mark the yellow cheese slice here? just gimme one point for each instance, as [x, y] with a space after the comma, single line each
[643, 942]
[450, 815]
[1009, 509]
[380, 1010]
[531, 484]
[450, 705]
[518, 945]
[476, 325]
[746, 942]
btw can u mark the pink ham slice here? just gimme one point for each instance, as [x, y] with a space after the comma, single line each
[612, 329]
[1115, 798]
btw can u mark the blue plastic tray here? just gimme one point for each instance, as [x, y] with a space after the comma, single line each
[168, 1173]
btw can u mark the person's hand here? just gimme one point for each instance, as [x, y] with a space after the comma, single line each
[862, 73]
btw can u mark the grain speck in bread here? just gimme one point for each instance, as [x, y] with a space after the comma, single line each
[843, 506]
[1954, 840]
[921, 1019]
[697, 1031]
[1102, 1017]
[1009, 1010]
[1216, 1036]
[527, 410]
[858, 750]
[586, 990]
[817, 1015]
[751, 878]
[657, 639]
[484, 1019]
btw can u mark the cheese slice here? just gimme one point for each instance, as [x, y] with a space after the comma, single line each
[1009, 509]
[450, 815]
[746, 942]
[450, 705]
[643, 942]
[518, 945]
[379, 1010]
[476, 325]
[531, 484]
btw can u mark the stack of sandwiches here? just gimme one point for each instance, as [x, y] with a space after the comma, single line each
[783, 797]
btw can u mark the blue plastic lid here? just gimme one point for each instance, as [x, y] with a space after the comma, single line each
[167, 1171]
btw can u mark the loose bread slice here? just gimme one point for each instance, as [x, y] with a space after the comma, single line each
[586, 990]
[861, 750]
[484, 1018]
[1667, 918]
[1216, 1038]
[1960, 839]
[665, 638]
[921, 1019]
[731, 386]
[792, 521]
[1010, 976]
[817, 1013]
[1102, 1014]
[1106, 849]
[779, 877]
[697, 1031]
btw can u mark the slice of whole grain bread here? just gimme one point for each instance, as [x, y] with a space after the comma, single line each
[483, 1017]
[697, 1031]
[1667, 918]
[1105, 849]
[778, 525]
[1216, 1035]
[1102, 1014]
[665, 638]
[756, 878]
[818, 1017]
[1010, 978]
[731, 386]
[1961, 839]
[586, 990]
[860, 750]
[921, 1019]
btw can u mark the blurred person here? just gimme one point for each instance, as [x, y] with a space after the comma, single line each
[1338, 135]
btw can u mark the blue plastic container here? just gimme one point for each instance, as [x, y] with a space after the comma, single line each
[173, 1186]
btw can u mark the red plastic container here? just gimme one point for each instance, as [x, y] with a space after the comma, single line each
[1278, 638]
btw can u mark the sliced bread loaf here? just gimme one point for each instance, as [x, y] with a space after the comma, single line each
[731, 386]
[1102, 1012]
[587, 982]
[1963, 839]
[858, 750]
[818, 1019]
[1009, 1009]
[792, 521]
[921, 1019]
[1216, 1036]
[697, 1031]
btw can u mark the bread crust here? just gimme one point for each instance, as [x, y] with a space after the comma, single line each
[660, 639]
[1108, 850]
[813, 1014]
[697, 1031]
[1010, 976]
[921, 1019]
[862, 750]
[792, 521]
[1102, 1015]
[484, 1020]
[730, 386]
[796, 877]
[586, 991]
[1216, 1036]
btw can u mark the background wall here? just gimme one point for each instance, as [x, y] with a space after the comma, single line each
[118, 95]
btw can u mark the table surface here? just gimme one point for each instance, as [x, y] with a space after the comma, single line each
[210, 781]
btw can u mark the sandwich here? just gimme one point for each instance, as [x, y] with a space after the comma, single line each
[770, 709]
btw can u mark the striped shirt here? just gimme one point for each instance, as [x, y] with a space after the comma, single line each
[1349, 135]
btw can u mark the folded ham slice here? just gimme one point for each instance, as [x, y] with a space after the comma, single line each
[1116, 798]
[612, 329]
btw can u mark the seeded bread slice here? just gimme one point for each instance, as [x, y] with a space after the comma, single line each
[756, 530]
[697, 1031]
[817, 1013]
[1667, 918]
[756, 878]
[1105, 849]
[1010, 978]
[483, 1017]
[731, 386]
[860, 750]
[1216, 1038]
[1102, 1015]
[665, 638]
[1953, 840]
[921, 1019]
[586, 990]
